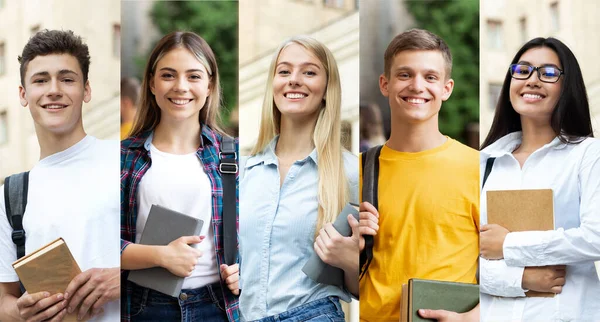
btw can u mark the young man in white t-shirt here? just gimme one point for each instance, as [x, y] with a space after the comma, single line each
[73, 189]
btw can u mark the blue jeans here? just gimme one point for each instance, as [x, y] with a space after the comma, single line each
[201, 304]
[327, 309]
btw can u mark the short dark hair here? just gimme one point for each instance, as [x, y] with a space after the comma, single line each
[416, 39]
[570, 118]
[47, 42]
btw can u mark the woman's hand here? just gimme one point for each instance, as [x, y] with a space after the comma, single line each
[337, 250]
[231, 276]
[491, 241]
[544, 279]
[179, 257]
[369, 222]
[448, 316]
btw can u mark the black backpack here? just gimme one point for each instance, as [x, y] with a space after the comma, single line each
[15, 201]
[370, 185]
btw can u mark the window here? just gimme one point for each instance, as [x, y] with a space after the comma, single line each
[2, 58]
[523, 29]
[494, 95]
[334, 3]
[554, 17]
[494, 34]
[116, 41]
[3, 127]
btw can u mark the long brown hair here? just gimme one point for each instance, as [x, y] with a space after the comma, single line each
[148, 114]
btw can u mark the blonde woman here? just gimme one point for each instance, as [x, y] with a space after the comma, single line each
[171, 159]
[296, 181]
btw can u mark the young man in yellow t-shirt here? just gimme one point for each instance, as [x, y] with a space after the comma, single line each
[427, 222]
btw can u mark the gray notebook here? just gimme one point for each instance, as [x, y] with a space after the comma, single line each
[164, 226]
[315, 268]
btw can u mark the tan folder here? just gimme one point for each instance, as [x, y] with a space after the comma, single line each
[522, 210]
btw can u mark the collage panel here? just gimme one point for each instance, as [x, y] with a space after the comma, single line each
[59, 123]
[179, 162]
[540, 165]
[298, 171]
[419, 162]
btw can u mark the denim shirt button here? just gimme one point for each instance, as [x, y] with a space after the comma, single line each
[183, 296]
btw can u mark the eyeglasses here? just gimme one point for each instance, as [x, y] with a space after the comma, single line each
[546, 74]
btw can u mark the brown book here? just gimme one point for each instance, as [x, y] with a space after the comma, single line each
[522, 210]
[50, 269]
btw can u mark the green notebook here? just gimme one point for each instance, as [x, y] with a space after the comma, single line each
[436, 295]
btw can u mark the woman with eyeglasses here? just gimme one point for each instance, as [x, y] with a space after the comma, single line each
[541, 138]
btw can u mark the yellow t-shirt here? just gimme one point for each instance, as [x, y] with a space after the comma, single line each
[428, 224]
[125, 129]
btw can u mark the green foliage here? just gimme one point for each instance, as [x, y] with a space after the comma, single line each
[457, 22]
[217, 23]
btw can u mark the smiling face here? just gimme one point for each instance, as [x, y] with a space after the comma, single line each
[417, 85]
[532, 97]
[299, 83]
[54, 92]
[180, 85]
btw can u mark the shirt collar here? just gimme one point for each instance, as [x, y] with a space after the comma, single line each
[268, 156]
[207, 137]
[508, 143]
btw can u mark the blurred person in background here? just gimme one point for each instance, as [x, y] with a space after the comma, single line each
[541, 138]
[130, 91]
[295, 183]
[371, 127]
[172, 159]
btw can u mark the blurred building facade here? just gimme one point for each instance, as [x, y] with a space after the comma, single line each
[262, 27]
[98, 22]
[505, 25]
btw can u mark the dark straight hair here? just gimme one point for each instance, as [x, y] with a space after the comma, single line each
[570, 118]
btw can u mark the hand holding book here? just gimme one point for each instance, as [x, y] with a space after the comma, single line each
[178, 257]
[42, 306]
[92, 289]
[491, 241]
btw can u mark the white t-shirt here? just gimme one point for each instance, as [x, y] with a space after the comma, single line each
[72, 194]
[178, 182]
[572, 171]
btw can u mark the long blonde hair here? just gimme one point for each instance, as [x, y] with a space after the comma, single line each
[333, 186]
[148, 114]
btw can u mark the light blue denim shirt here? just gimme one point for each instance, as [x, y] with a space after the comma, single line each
[277, 229]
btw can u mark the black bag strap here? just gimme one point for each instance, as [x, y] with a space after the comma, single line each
[228, 168]
[15, 200]
[489, 164]
[370, 184]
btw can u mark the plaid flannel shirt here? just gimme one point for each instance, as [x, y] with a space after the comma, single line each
[135, 161]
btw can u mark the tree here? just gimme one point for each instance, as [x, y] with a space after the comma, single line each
[217, 23]
[457, 22]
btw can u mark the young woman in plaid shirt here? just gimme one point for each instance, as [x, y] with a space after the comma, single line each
[171, 159]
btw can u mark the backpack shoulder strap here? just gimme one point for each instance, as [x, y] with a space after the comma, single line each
[228, 168]
[489, 164]
[370, 184]
[15, 200]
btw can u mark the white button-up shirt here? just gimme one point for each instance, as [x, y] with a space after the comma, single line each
[572, 171]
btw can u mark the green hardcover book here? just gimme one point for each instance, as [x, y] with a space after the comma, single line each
[437, 295]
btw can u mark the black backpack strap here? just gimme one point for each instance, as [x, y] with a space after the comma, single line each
[15, 200]
[228, 168]
[370, 184]
[489, 164]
